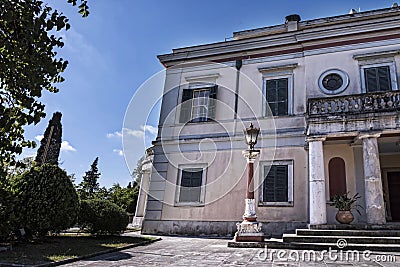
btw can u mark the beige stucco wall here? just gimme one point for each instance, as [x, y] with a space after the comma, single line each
[226, 185]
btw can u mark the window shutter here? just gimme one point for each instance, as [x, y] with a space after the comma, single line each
[212, 102]
[377, 79]
[186, 106]
[281, 183]
[275, 188]
[277, 96]
[385, 84]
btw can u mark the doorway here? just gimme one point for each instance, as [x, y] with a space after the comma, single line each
[393, 182]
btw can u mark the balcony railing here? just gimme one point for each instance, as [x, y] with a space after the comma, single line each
[349, 104]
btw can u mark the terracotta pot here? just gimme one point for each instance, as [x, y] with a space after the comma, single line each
[344, 216]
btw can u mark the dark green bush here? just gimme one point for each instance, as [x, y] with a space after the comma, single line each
[46, 200]
[6, 211]
[100, 216]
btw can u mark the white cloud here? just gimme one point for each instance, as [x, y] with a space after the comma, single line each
[119, 152]
[114, 134]
[151, 129]
[135, 133]
[144, 129]
[39, 137]
[65, 146]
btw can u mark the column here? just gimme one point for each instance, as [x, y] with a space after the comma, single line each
[375, 208]
[317, 194]
[144, 189]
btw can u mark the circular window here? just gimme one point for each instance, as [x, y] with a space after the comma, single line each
[333, 81]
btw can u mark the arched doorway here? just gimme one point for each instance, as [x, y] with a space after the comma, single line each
[337, 177]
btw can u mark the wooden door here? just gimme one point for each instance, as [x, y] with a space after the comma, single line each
[393, 179]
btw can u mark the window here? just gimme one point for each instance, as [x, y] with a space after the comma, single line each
[191, 184]
[378, 71]
[198, 104]
[277, 95]
[278, 89]
[277, 184]
[333, 81]
[377, 79]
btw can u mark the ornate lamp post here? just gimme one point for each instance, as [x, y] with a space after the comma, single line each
[250, 230]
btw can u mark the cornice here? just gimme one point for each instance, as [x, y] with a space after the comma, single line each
[292, 41]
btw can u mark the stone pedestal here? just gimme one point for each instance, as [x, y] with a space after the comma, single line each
[249, 232]
[375, 208]
[317, 195]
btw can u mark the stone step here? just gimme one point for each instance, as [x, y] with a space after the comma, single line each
[333, 239]
[360, 233]
[279, 244]
[389, 226]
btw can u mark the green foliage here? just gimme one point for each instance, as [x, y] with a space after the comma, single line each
[28, 65]
[346, 203]
[50, 145]
[89, 186]
[124, 197]
[100, 216]
[46, 199]
[7, 218]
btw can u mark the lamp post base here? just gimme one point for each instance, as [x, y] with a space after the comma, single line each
[249, 231]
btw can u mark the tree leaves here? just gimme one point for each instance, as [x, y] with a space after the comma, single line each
[28, 65]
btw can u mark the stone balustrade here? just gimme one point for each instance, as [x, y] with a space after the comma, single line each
[350, 104]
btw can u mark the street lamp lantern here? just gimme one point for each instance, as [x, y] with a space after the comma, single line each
[249, 229]
[251, 135]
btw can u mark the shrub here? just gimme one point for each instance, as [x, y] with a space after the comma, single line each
[100, 216]
[6, 211]
[46, 200]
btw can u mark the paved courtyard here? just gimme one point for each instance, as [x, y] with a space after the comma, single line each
[188, 251]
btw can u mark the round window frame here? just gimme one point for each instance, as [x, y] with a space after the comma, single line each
[342, 74]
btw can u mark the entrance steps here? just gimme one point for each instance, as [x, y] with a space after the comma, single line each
[384, 238]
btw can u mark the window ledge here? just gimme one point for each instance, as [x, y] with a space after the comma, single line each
[276, 204]
[189, 204]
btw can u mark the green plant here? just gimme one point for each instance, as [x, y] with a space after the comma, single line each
[46, 200]
[7, 218]
[102, 217]
[345, 202]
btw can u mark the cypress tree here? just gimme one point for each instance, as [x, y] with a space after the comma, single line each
[51, 141]
[89, 185]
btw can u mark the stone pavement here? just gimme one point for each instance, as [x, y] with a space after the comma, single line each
[191, 251]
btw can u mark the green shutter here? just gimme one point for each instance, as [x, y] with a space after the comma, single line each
[377, 79]
[186, 106]
[275, 186]
[277, 96]
[212, 102]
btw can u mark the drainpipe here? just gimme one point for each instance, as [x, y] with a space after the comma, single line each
[238, 67]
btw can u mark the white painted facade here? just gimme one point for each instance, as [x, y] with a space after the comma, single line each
[303, 141]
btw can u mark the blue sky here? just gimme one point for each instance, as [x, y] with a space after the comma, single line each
[113, 52]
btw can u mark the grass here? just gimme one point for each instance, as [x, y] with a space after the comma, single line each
[56, 248]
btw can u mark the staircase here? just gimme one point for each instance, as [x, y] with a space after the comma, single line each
[384, 238]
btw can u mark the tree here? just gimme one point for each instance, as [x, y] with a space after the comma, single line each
[50, 144]
[89, 186]
[126, 198]
[46, 199]
[99, 216]
[28, 65]
[137, 172]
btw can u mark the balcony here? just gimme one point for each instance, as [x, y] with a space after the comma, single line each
[354, 104]
[353, 113]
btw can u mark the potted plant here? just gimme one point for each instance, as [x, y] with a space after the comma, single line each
[345, 204]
